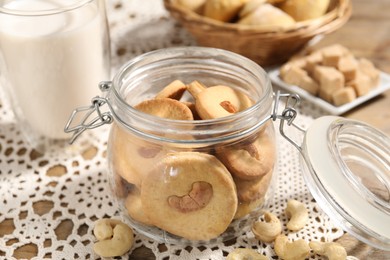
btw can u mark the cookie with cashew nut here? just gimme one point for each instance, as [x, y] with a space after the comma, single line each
[173, 90]
[165, 108]
[267, 230]
[245, 253]
[115, 238]
[220, 101]
[191, 195]
[195, 87]
[192, 107]
[254, 189]
[134, 207]
[119, 185]
[332, 250]
[244, 208]
[297, 213]
[130, 156]
[296, 250]
[249, 161]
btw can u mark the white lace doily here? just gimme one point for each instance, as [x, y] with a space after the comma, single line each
[72, 180]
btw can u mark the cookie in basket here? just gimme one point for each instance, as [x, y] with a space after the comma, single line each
[266, 15]
[223, 10]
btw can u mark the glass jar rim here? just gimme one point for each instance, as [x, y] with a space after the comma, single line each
[181, 52]
[44, 12]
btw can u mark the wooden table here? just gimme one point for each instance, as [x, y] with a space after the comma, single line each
[367, 35]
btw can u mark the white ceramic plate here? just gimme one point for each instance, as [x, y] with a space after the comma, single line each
[384, 85]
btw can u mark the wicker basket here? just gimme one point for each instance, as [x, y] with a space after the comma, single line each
[267, 45]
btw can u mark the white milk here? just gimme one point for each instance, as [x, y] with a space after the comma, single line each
[53, 63]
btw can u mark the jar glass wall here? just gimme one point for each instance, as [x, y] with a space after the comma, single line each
[188, 181]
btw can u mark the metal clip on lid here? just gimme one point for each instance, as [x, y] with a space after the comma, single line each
[289, 114]
[102, 118]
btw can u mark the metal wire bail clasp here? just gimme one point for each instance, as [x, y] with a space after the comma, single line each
[85, 114]
[288, 115]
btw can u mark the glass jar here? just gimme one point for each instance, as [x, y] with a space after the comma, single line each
[194, 181]
[191, 180]
[52, 56]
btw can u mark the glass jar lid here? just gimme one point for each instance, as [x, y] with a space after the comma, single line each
[347, 170]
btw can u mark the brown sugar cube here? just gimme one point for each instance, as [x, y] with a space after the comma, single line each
[330, 79]
[299, 77]
[312, 61]
[332, 54]
[325, 95]
[368, 68]
[318, 72]
[292, 75]
[348, 66]
[309, 84]
[361, 84]
[343, 96]
[338, 47]
[296, 61]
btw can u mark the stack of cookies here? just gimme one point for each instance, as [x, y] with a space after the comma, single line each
[190, 192]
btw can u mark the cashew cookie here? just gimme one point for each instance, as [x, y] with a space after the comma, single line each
[191, 195]
[249, 161]
[192, 107]
[135, 209]
[248, 191]
[244, 208]
[174, 90]
[131, 157]
[220, 101]
[165, 108]
[195, 87]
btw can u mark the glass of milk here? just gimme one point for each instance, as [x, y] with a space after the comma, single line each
[53, 54]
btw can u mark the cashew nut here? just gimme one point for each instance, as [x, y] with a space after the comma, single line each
[298, 215]
[332, 250]
[103, 228]
[228, 106]
[267, 230]
[297, 250]
[245, 253]
[196, 199]
[115, 238]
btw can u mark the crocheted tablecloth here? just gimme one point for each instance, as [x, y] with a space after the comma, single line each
[71, 181]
